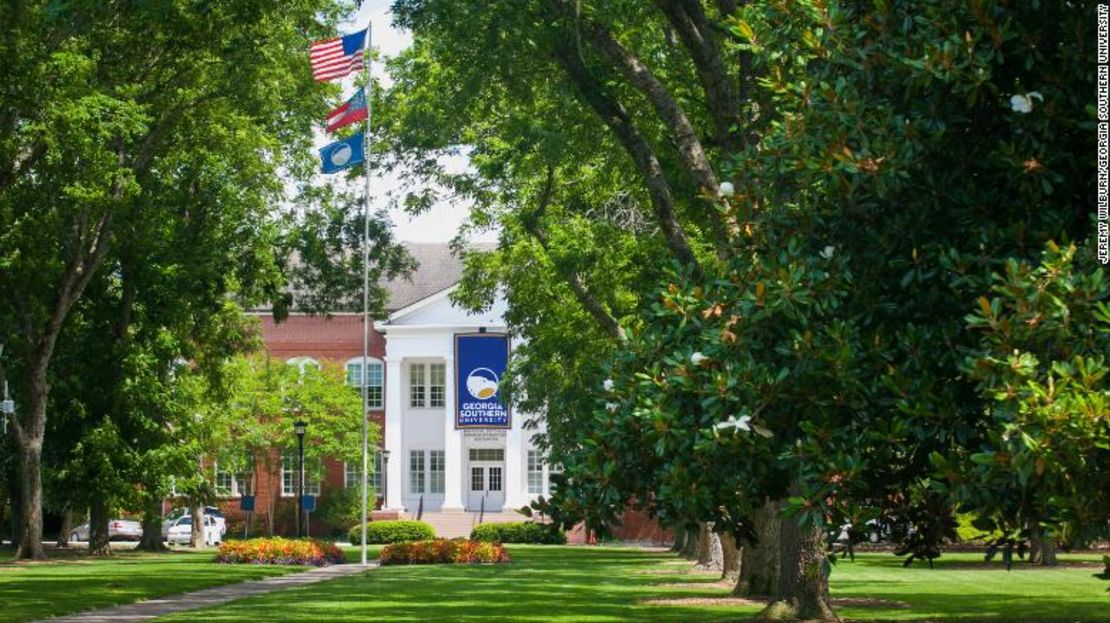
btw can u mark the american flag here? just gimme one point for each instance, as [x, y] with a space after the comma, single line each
[335, 58]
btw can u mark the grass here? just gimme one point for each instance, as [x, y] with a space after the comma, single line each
[554, 584]
[72, 582]
[611, 584]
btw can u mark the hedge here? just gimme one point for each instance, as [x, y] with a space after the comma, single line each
[279, 551]
[393, 531]
[443, 551]
[519, 532]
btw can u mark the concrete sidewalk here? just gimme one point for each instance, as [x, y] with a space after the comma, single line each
[153, 608]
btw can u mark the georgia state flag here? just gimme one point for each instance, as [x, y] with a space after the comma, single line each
[342, 154]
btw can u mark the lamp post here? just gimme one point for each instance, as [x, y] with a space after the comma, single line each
[385, 479]
[299, 427]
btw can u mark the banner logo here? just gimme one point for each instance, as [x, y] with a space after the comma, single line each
[482, 384]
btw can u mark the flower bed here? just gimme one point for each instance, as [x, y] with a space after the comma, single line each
[443, 551]
[279, 551]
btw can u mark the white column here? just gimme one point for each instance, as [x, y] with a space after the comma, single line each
[393, 434]
[515, 490]
[452, 440]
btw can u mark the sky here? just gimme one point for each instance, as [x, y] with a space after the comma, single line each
[442, 221]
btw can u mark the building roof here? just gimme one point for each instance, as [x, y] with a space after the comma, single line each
[438, 268]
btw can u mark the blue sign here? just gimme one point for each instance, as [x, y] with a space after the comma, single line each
[480, 362]
[246, 503]
[308, 503]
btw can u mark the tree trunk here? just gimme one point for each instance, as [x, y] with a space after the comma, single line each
[99, 543]
[690, 542]
[15, 523]
[152, 525]
[730, 568]
[30, 504]
[710, 555]
[196, 534]
[679, 539]
[759, 571]
[1042, 548]
[803, 590]
[67, 526]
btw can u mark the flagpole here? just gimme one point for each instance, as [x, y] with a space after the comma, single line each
[366, 293]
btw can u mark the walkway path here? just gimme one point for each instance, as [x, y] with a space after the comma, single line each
[153, 608]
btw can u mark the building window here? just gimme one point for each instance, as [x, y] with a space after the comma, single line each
[436, 471]
[374, 482]
[231, 484]
[535, 472]
[416, 471]
[302, 363]
[375, 377]
[417, 392]
[289, 475]
[487, 454]
[476, 483]
[437, 389]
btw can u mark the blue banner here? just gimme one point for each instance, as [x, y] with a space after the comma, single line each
[480, 362]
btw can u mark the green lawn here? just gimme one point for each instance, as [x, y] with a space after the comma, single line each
[72, 582]
[611, 584]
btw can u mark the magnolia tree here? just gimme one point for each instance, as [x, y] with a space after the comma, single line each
[1043, 472]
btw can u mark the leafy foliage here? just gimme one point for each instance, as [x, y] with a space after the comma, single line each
[519, 532]
[393, 531]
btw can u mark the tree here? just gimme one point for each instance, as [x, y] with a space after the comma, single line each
[1040, 365]
[179, 121]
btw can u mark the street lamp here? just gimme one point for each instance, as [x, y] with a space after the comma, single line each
[299, 427]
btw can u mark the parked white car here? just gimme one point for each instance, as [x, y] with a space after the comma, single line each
[209, 511]
[118, 530]
[181, 530]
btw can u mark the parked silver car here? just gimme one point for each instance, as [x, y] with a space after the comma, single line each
[118, 530]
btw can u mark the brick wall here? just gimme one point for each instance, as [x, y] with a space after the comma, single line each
[337, 339]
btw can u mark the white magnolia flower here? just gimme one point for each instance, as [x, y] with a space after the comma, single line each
[743, 423]
[697, 358]
[828, 252]
[1024, 103]
[608, 385]
[726, 189]
[611, 407]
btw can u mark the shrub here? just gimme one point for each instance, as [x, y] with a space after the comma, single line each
[443, 551]
[279, 551]
[519, 532]
[393, 531]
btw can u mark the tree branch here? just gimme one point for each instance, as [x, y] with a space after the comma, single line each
[616, 117]
[640, 76]
[577, 284]
[693, 27]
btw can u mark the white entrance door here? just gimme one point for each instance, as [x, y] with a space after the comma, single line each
[486, 488]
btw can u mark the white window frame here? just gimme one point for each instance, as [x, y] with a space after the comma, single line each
[418, 391]
[534, 465]
[375, 380]
[311, 486]
[302, 362]
[374, 482]
[418, 476]
[437, 391]
[437, 472]
[237, 484]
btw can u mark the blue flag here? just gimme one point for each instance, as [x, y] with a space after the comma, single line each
[342, 154]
